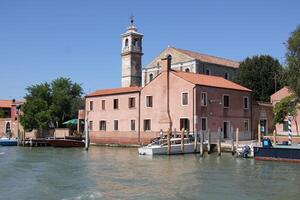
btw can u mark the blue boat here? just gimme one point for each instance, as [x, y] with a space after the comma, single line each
[288, 153]
[5, 141]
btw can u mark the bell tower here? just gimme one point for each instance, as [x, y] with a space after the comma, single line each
[131, 56]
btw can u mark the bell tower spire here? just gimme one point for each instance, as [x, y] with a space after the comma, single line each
[131, 56]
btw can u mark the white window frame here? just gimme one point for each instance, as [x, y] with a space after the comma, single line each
[114, 125]
[134, 102]
[205, 99]
[245, 97]
[188, 96]
[206, 123]
[224, 101]
[248, 128]
[187, 119]
[146, 101]
[150, 125]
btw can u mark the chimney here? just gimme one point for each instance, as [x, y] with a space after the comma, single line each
[166, 63]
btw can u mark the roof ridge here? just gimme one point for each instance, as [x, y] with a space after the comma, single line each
[205, 54]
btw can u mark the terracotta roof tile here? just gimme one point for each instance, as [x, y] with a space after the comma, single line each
[210, 81]
[209, 59]
[5, 103]
[114, 91]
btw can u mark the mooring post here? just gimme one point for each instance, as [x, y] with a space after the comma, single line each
[274, 136]
[237, 141]
[232, 141]
[259, 134]
[169, 141]
[182, 141]
[201, 143]
[195, 140]
[219, 143]
[23, 132]
[208, 141]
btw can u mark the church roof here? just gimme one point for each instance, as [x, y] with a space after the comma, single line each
[114, 91]
[210, 81]
[209, 59]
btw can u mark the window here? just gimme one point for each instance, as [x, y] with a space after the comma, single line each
[149, 101]
[150, 77]
[116, 125]
[91, 105]
[131, 102]
[102, 125]
[246, 103]
[184, 98]
[187, 70]
[203, 124]
[207, 71]
[226, 101]
[103, 104]
[91, 125]
[135, 43]
[246, 125]
[147, 125]
[203, 99]
[126, 42]
[132, 125]
[116, 103]
[285, 126]
[185, 124]
[226, 75]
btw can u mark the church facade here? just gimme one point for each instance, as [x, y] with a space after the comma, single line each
[172, 92]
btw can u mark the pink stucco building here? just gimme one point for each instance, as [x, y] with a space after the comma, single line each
[175, 100]
[282, 129]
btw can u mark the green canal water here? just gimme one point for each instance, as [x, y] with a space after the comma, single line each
[120, 173]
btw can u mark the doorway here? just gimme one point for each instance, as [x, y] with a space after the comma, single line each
[263, 127]
[226, 127]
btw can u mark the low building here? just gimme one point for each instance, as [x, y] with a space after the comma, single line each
[172, 100]
[282, 129]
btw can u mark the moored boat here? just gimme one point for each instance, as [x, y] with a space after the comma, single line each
[287, 153]
[5, 141]
[160, 147]
[65, 143]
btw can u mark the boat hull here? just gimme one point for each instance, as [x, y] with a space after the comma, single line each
[8, 142]
[163, 150]
[285, 154]
[65, 143]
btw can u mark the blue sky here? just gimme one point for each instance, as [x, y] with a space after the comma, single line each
[80, 39]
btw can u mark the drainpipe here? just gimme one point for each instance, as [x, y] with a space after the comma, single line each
[194, 111]
[139, 120]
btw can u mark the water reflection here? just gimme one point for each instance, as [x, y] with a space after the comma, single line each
[120, 173]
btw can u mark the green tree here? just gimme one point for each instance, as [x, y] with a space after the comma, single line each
[1, 113]
[293, 61]
[48, 104]
[260, 74]
[287, 106]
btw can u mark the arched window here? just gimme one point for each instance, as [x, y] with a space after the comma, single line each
[207, 72]
[150, 77]
[126, 42]
[135, 43]
[187, 70]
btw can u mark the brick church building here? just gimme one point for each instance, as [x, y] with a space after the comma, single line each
[178, 89]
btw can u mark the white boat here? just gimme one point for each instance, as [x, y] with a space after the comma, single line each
[160, 147]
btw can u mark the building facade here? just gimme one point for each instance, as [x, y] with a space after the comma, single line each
[178, 90]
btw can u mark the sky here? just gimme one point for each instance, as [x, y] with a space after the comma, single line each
[41, 40]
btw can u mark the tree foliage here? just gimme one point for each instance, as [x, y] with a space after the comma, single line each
[51, 103]
[1, 113]
[293, 61]
[258, 74]
[288, 106]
